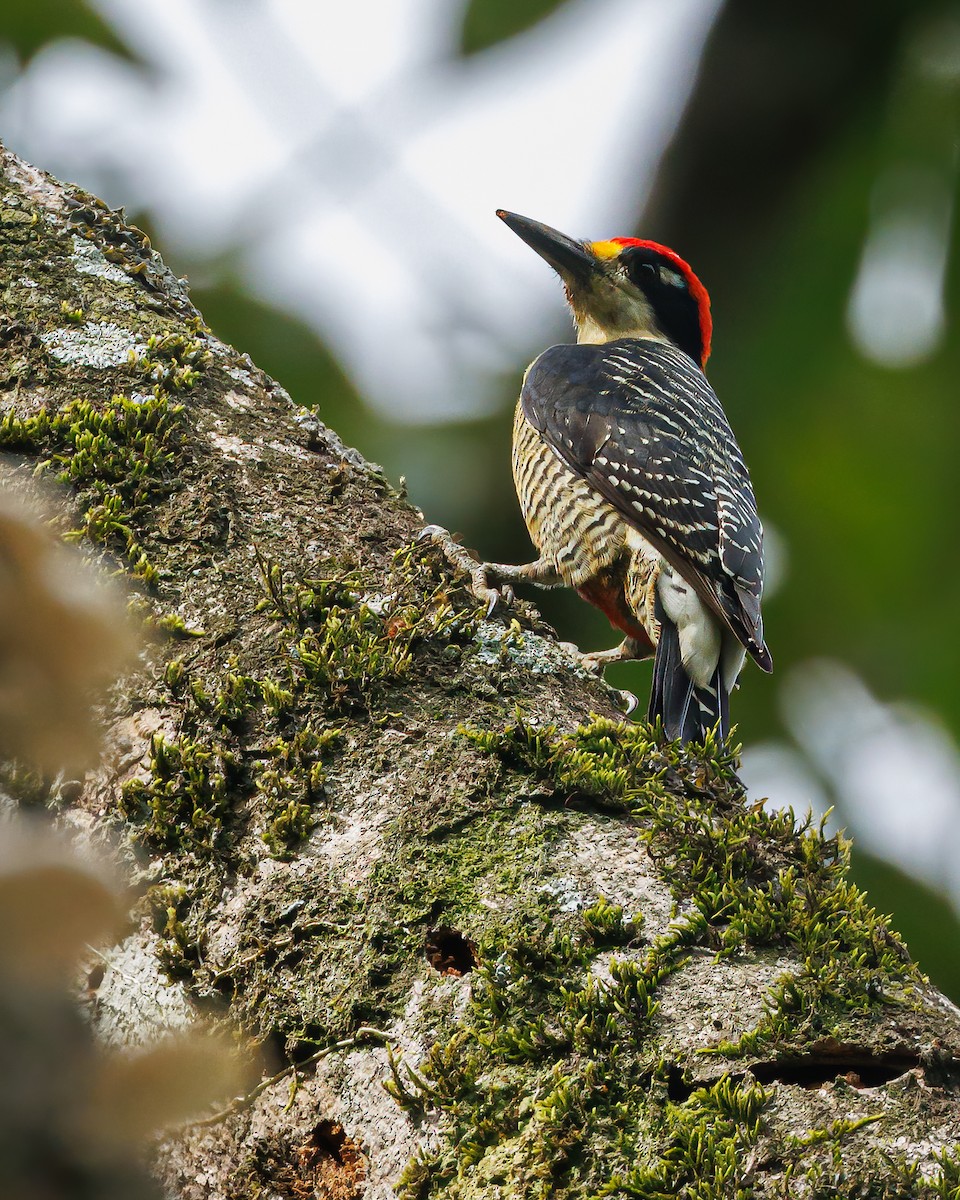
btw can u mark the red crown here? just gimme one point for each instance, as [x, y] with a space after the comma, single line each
[695, 287]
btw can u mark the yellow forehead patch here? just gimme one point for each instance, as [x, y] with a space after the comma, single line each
[605, 249]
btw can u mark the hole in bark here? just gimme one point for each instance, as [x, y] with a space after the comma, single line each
[311, 1038]
[225, 984]
[678, 1090]
[449, 952]
[330, 1163]
[830, 1060]
[95, 978]
[859, 1067]
[275, 1050]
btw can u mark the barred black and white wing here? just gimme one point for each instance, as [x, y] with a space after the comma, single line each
[640, 423]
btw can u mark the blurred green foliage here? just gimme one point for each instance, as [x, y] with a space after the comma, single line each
[486, 22]
[855, 463]
[926, 921]
[28, 25]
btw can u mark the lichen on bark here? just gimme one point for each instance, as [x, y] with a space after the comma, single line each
[501, 941]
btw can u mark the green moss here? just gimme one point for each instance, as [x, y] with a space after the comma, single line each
[290, 787]
[477, 877]
[453, 871]
[311, 956]
[465, 862]
[705, 1139]
[199, 783]
[341, 645]
[754, 878]
[278, 699]
[291, 821]
[174, 361]
[349, 653]
[188, 795]
[883, 1176]
[352, 646]
[553, 1084]
[833, 1133]
[119, 455]
[231, 708]
[169, 908]
[175, 627]
[180, 950]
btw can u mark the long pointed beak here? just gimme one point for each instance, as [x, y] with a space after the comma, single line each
[571, 260]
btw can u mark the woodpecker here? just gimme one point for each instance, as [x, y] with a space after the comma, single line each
[632, 485]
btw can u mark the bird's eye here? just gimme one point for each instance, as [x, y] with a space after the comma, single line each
[644, 272]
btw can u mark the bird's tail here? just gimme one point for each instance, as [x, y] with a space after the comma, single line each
[687, 712]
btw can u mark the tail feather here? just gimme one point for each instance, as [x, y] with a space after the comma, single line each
[687, 712]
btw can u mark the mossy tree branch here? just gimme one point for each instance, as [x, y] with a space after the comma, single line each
[504, 942]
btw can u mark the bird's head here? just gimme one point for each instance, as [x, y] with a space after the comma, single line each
[624, 287]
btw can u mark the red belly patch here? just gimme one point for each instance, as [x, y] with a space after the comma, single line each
[606, 593]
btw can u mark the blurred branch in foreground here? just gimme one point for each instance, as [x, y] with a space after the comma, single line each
[74, 1120]
[63, 635]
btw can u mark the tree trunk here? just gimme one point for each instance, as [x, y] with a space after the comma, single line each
[497, 940]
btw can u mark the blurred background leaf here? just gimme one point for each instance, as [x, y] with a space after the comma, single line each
[27, 27]
[487, 22]
[922, 916]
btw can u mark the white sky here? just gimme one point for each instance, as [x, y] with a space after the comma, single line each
[352, 168]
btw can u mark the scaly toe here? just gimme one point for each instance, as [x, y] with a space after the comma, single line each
[594, 663]
[463, 560]
[628, 700]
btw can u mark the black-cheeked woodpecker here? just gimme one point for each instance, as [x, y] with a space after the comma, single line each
[631, 483]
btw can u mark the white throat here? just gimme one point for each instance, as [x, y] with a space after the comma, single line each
[591, 331]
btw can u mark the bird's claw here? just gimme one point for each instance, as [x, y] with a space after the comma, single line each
[433, 533]
[596, 663]
[462, 559]
[628, 700]
[591, 663]
[485, 593]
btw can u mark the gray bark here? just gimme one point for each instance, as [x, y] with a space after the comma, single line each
[494, 939]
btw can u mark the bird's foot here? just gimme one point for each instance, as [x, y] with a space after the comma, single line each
[464, 560]
[597, 661]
